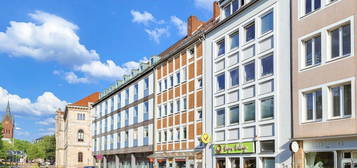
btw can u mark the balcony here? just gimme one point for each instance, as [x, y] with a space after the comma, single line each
[146, 141]
[146, 116]
[135, 143]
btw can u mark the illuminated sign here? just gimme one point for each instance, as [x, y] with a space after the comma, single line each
[244, 147]
[205, 138]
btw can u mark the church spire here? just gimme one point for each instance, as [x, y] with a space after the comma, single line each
[8, 112]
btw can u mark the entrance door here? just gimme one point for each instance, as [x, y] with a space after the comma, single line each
[349, 160]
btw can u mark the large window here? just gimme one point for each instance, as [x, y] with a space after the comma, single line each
[341, 41]
[249, 70]
[221, 48]
[341, 100]
[234, 38]
[220, 117]
[234, 77]
[319, 159]
[267, 108]
[81, 116]
[80, 157]
[250, 32]
[267, 22]
[312, 5]
[267, 65]
[249, 111]
[267, 146]
[220, 82]
[313, 51]
[80, 135]
[234, 115]
[313, 105]
[250, 163]
[268, 162]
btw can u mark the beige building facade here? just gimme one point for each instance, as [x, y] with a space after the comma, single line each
[324, 83]
[73, 134]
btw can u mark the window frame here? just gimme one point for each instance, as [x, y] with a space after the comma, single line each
[314, 101]
[271, 11]
[340, 27]
[342, 105]
[218, 89]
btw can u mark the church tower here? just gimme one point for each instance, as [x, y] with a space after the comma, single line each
[8, 124]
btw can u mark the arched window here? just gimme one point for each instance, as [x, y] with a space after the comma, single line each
[80, 135]
[80, 157]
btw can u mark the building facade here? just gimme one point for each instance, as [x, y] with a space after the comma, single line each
[179, 100]
[324, 82]
[247, 85]
[123, 123]
[73, 134]
[8, 125]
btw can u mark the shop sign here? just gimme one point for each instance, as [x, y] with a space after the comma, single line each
[244, 147]
[205, 138]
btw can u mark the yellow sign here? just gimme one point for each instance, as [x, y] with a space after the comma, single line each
[205, 138]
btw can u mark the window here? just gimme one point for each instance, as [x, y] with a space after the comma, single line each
[160, 86]
[146, 111]
[146, 87]
[80, 157]
[313, 51]
[220, 117]
[112, 104]
[81, 116]
[171, 137]
[171, 108]
[165, 84]
[249, 70]
[184, 102]
[267, 65]
[267, 146]
[249, 111]
[199, 83]
[178, 105]
[341, 41]
[220, 82]
[313, 105]
[159, 111]
[171, 81]
[250, 32]
[267, 108]
[191, 52]
[235, 5]
[146, 135]
[164, 136]
[267, 22]
[126, 96]
[80, 135]
[234, 115]
[250, 163]
[177, 133]
[319, 159]
[119, 120]
[312, 5]
[119, 100]
[178, 77]
[159, 136]
[234, 40]
[221, 48]
[135, 137]
[268, 162]
[234, 77]
[341, 100]
[165, 110]
[184, 132]
[126, 139]
[118, 140]
[184, 74]
[227, 10]
[135, 117]
[126, 117]
[199, 114]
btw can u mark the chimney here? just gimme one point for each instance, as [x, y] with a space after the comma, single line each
[193, 24]
[216, 10]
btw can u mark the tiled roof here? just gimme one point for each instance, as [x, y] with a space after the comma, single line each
[89, 99]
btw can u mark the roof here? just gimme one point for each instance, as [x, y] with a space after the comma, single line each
[89, 99]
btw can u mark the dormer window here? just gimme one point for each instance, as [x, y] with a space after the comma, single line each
[232, 7]
[227, 10]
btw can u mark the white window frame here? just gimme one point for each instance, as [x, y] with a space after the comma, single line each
[339, 28]
[303, 51]
[342, 107]
[304, 104]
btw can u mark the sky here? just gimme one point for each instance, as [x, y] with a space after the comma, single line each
[55, 52]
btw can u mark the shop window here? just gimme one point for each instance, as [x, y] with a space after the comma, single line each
[268, 162]
[221, 163]
[319, 159]
[250, 163]
[235, 163]
[267, 147]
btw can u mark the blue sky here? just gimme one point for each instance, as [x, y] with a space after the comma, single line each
[59, 51]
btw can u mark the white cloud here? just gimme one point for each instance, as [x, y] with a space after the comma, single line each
[47, 103]
[180, 25]
[72, 78]
[204, 4]
[18, 128]
[47, 121]
[144, 17]
[157, 33]
[48, 38]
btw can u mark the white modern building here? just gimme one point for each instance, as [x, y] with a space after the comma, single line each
[124, 120]
[248, 93]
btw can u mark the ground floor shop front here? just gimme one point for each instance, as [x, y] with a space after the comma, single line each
[130, 160]
[177, 160]
[334, 152]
